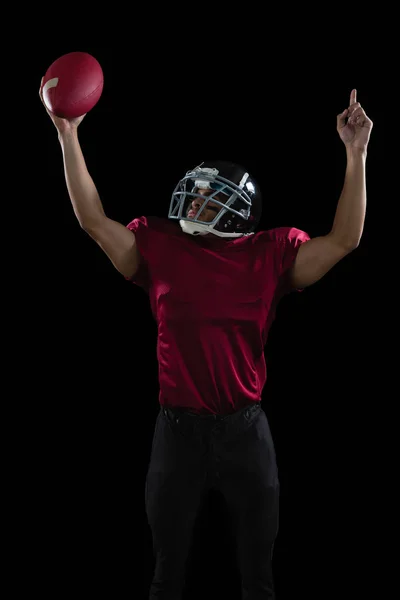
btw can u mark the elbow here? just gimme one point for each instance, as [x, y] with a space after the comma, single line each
[347, 243]
[89, 225]
[353, 245]
[350, 247]
[83, 224]
[350, 244]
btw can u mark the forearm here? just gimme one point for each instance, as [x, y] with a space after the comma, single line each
[350, 213]
[81, 188]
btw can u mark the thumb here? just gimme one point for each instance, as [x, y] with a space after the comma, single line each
[341, 119]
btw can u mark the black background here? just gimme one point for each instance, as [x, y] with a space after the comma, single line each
[89, 340]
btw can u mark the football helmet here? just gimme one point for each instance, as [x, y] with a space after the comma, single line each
[234, 191]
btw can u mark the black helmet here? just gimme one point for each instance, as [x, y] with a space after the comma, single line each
[235, 191]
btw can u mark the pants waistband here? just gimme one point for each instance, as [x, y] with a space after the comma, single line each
[181, 412]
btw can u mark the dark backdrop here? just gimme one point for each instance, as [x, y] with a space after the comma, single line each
[91, 338]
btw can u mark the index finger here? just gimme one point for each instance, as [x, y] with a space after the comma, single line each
[353, 97]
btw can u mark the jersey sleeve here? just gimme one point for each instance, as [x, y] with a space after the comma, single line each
[288, 240]
[140, 227]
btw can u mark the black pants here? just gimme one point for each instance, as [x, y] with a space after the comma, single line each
[192, 454]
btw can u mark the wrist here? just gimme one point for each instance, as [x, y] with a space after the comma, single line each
[353, 152]
[67, 134]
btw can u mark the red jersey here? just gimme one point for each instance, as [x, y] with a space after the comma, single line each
[214, 300]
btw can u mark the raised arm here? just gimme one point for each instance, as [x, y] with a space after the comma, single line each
[317, 256]
[114, 239]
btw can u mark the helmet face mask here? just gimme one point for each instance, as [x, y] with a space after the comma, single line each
[234, 195]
